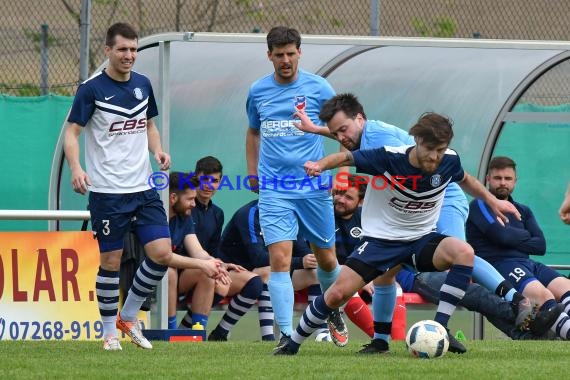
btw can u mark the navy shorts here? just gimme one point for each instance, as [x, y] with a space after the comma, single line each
[520, 272]
[113, 215]
[374, 257]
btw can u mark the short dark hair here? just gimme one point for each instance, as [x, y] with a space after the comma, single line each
[502, 162]
[353, 181]
[208, 165]
[434, 129]
[178, 182]
[281, 36]
[361, 186]
[348, 103]
[120, 29]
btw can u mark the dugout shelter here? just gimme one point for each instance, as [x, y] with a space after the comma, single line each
[505, 97]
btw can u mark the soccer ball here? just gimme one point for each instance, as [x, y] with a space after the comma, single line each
[427, 340]
[323, 336]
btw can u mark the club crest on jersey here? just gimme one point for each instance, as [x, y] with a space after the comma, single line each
[300, 103]
[355, 232]
[435, 180]
[137, 92]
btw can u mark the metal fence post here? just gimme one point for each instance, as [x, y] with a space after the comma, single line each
[44, 61]
[374, 17]
[85, 19]
[163, 93]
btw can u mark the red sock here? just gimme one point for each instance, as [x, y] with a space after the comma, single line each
[358, 312]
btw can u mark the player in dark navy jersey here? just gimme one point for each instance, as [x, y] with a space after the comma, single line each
[347, 198]
[507, 247]
[398, 222]
[208, 217]
[347, 215]
[246, 286]
[243, 243]
[197, 280]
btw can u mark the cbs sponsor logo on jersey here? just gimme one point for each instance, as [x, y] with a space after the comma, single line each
[412, 206]
[130, 126]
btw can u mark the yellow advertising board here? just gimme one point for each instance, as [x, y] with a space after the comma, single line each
[47, 286]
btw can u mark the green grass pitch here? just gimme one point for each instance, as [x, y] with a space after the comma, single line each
[491, 359]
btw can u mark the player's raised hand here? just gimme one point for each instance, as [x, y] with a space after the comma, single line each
[312, 168]
[502, 207]
[305, 124]
[163, 160]
[79, 181]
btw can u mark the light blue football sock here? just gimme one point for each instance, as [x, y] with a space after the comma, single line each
[487, 276]
[383, 304]
[327, 278]
[282, 299]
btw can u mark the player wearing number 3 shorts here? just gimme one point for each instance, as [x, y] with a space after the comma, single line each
[115, 108]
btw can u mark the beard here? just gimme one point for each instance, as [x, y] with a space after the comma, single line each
[179, 210]
[426, 165]
[343, 211]
[429, 168]
[501, 193]
[349, 144]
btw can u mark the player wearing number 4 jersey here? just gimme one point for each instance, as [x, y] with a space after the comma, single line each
[398, 223]
[347, 123]
[115, 107]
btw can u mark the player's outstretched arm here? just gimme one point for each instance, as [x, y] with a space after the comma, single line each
[499, 207]
[329, 162]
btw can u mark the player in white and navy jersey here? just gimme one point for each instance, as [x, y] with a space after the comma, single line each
[399, 221]
[290, 202]
[347, 123]
[115, 108]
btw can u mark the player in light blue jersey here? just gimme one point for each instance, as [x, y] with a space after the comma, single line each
[347, 123]
[290, 202]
